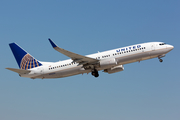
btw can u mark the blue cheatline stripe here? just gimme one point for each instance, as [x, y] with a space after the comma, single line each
[24, 60]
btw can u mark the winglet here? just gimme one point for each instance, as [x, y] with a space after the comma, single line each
[52, 43]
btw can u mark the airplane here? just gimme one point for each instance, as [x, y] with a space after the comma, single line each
[111, 61]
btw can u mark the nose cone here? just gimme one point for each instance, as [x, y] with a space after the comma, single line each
[170, 47]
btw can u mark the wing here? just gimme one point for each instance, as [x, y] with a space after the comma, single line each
[82, 60]
[20, 71]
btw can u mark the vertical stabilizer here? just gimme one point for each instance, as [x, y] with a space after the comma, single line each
[24, 59]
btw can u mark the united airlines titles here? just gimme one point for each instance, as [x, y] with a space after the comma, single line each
[128, 48]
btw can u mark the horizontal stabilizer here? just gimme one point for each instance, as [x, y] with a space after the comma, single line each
[20, 71]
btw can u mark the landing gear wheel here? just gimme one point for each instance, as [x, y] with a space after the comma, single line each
[160, 60]
[95, 73]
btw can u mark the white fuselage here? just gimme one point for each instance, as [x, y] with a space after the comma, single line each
[108, 59]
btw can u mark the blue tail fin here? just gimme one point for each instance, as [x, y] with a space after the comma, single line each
[24, 60]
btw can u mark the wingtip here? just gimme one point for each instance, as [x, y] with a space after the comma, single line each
[52, 43]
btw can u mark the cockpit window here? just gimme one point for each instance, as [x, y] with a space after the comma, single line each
[162, 43]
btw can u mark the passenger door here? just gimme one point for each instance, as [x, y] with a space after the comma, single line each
[153, 46]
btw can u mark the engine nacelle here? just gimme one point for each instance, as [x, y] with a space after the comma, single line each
[107, 63]
[114, 69]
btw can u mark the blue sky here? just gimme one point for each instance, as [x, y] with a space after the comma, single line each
[143, 91]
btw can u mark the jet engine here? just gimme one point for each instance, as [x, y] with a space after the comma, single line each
[114, 69]
[107, 63]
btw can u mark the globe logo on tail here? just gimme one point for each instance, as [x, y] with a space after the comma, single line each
[29, 62]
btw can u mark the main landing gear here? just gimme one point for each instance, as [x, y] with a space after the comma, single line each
[95, 73]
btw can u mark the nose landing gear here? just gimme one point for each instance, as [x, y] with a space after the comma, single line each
[95, 73]
[160, 60]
